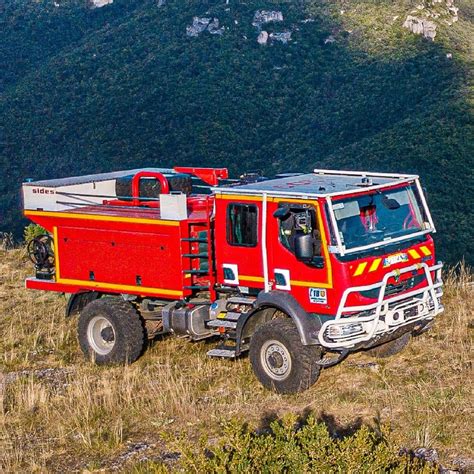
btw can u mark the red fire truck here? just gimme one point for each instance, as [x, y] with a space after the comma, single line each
[299, 270]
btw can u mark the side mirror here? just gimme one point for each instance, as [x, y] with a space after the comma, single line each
[304, 251]
[282, 213]
[304, 247]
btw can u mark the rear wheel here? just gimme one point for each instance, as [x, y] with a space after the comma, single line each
[390, 348]
[280, 361]
[111, 332]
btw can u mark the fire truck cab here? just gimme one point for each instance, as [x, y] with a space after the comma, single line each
[299, 270]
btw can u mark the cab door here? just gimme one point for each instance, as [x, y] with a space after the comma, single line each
[295, 226]
[238, 242]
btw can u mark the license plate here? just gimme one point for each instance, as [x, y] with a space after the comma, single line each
[396, 258]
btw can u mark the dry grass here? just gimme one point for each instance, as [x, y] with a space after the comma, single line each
[81, 417]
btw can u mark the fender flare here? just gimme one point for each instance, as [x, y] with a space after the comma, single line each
[78, 301]
[308, 325]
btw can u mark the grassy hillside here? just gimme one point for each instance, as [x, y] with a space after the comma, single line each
[123, 86]
[59, 413]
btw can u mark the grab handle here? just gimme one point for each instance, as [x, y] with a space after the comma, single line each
[165, 187]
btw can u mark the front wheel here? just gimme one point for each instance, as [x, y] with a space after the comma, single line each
[110, 331]
[279, 359]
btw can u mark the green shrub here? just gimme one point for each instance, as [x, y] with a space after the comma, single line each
[32, 231]
[291, 447]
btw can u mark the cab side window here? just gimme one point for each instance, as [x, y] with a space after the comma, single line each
[242, 225]
[297, 221]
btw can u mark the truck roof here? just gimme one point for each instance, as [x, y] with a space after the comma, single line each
[320, 183]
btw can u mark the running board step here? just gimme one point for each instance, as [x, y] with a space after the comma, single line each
[330, 361]
[241, 300]
[233, 316]
[221, 323]
[195, 239]
[196, 255]
[196, 272]
[227, 352]
[196, 287]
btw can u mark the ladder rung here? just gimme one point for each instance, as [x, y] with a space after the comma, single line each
[196, 287]
[195, 239]
[196, 255]
[197, 272]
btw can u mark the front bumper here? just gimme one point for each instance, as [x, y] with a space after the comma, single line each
[387, 316]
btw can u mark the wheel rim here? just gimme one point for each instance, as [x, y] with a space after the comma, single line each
[101, 335]
[275, 359]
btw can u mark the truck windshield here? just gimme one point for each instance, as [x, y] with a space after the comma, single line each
[379, 216]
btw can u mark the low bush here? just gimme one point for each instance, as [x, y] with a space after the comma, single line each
[297, 447]
[32, 231]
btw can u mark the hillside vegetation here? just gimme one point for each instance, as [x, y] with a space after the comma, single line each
[59, 413]
[88, 90]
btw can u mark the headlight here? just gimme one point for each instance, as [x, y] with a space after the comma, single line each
[335, 331]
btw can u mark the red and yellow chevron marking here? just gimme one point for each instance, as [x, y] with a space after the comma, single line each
[415, 254]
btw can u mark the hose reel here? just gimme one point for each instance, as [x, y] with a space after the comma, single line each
[40, 252]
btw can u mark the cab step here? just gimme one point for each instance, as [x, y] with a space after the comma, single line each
[241, 300]
[233, 316]
[223, 351]
[326, 362]
[222, 323]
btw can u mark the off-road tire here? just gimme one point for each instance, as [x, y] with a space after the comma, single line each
[129, 334]
[303, 370]
[390, 348]
[151, 188]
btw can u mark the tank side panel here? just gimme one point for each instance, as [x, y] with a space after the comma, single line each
[133, 257]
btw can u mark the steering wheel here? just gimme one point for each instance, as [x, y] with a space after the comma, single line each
[40, 252]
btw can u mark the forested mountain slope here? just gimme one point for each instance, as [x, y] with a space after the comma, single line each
[88, 90]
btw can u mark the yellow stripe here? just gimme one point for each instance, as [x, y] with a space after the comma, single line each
[308, 284]
[97, 217]
[56, 252]
[414, 253]
[251, 278]
[375, 265]
[113, 286]
[299, 201]
[425, 250]
[360, 269]
[238, 197]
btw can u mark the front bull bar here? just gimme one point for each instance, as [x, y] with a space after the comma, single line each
[387, 316]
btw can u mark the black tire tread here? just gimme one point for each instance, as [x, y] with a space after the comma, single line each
[127, 323]
[305, 357]
[390, 348]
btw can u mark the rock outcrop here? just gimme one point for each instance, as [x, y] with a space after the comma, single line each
[262, 38]
[201, 24]
[283, 36]
[421, 26]
[99, 3]
[427, 16]
[266, 16]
